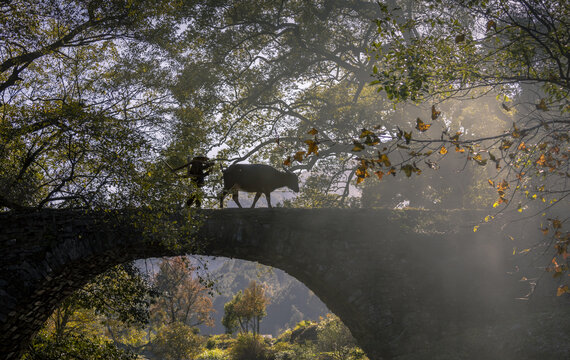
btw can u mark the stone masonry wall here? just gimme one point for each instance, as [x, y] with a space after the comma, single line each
[398, 279]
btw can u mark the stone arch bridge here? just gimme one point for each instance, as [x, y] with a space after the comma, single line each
[398, 279]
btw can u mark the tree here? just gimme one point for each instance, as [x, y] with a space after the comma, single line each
[135, 313]
[79, 326]
[515, 49]
[246, 310]
[253, 304]
[122, 293]
[84, 94]
[183, 297]
[255, 54]
[231, 321]
[299, 74]
[84, 110]
[244, 64]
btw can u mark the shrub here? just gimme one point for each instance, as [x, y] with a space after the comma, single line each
[210, 344]
[303, 324]
[176, 341]
[287, 351]
[249, 347]
[223, 341]
[215, 354]
[74, 346]
[335, 340]
[285, 336]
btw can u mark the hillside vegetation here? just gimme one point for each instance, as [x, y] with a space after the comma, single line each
[289, 300]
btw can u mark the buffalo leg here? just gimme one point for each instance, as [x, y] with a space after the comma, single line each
[257, 196]
[235, 196]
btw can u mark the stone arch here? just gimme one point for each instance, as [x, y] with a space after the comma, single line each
[389, 283]
[53, 253]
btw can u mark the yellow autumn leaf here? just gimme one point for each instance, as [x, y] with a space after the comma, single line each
[371, 139]
[505, 144]
[562, 289]
[541, 160]
[421, 126]
[443, 150]
[357, 146]
[313, 131]
[502, 186]
[407, 169]
[542, 105]
[475, 228]
[383, 158]
[313, 148]
[299, 155]
[479, 159]
[455, 137]
[408, 137]
[434, 113]
[362, 172]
